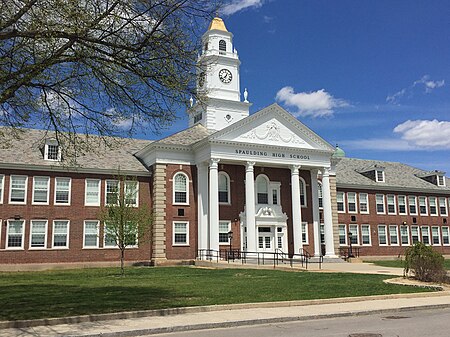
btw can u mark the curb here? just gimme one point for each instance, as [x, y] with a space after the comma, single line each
[211, 308]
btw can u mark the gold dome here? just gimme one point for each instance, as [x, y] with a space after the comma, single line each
[217, 23]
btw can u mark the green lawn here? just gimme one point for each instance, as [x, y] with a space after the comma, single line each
[29, 295]
[399, 263]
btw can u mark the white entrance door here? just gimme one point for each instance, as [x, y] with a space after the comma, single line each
[265, 239]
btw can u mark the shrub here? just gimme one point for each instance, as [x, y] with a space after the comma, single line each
[426, 264]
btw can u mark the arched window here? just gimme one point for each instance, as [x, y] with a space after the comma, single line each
[224, 188]
[262, 190]
[319, 192]
[222, 45]
[180, 189]
[302, 192]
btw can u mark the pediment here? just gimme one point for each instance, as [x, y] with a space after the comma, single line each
[272, 126]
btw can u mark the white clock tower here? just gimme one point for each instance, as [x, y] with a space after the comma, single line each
[218, 81]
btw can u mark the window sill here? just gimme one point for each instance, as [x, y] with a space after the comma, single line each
[60, 248]
[55, 204]
[40, 204]
[181, 245]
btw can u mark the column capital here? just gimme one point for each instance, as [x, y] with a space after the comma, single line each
[202, 165]
[249, 165]
[295, 168]
[213, 163]
[326, 171]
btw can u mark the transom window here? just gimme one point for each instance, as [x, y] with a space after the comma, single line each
[18, 189]
[224, 188]
[62, 191]
[180, 181]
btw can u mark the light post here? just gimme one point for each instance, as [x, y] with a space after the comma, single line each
[350, 250]
[230, 238]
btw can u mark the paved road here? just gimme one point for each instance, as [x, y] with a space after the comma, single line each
[416, 323]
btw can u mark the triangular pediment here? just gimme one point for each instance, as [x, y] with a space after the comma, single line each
[272, 126]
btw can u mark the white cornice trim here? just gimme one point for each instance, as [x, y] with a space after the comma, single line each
[391, 188]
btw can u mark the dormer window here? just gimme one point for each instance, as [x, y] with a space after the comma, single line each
[440, 180]
[435, 177]
[379, 175]
[374, 172]
[52, 150]
[222, 45]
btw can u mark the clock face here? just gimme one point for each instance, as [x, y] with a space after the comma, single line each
[225, 76]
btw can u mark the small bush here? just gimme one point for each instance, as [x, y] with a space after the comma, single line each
[426, 264]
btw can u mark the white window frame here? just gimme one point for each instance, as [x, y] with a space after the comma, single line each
[128, 183]
[303, 193]
[34, 190]
[345, 235]
[45, 234]
[187, 234]
[257, 191]
[415, 205]
[106, 190]
[407, 235]
[97, 235]
[385, 235]
[405, 203]
[320, 194]
[52, 142]
[67, 234]
[174, 189]
[417, 230]
[428, 232]
[362, 235]
[353, 194]
[11, 188]
[438, 180]
[305, 236]
[393, 204]
[355, 226]
[97, 203]
[2, 187]
[435, 206]
[343, 201]
[447, 230]
[395, 235]
[384, 203]
[421, 197]
[227, 177]
[115, 246]
[7, 235]
[366, 201]
[228, 223]
[438, 236]
[445, 204]
[70, 192]
[377, 177]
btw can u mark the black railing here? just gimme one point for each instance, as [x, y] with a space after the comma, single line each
[346, 252]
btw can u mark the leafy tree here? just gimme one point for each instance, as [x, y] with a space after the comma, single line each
[126, 224]
[105, 67]
[426, 264]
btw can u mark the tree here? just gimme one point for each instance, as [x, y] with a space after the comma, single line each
[126, 223]
[426, 264]
[106, 67]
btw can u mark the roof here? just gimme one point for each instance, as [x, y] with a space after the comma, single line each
[27, 151]
[218, 24]
[398, 176]
[186, 137]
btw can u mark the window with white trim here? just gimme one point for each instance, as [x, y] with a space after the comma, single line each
[222, 45]
[351, 202]
[404, 235]
[343, 235]
[415, 234]
[92, 195]
[224, 188]
[379, 176]
[62, 191]
[109, 237]
[180, 233]
[440, 180]
[41, 187]
[14, 234]
[433, 206]
[443, 206]
[425, 234]
[355, 233]
[393, 235]
[412, 203]
[423, 209]
[52, 150]
[18, 189]
[262, 190]
[2, 183]
[320, 194]
[275, 197]
[391, 206]
[305, 236]
[363, 203]
[340, 202]
[435, 236]
[445, 236]
[112, 189]
[131, 191]
[401, 204]
[38, 234]
[180, 189]
[224, 228]
[365, 235]
[380, 203]
[60, 234]
[382, 238]
[91, 234]
[302, 192]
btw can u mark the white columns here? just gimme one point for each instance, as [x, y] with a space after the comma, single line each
[315, 211]
[202, 197]
[250, 207]
[214, 204]
[327, 214]
[296, 209]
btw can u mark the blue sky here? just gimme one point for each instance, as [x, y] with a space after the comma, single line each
[371, 76]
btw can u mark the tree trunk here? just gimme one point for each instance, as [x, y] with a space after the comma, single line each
[122, 257]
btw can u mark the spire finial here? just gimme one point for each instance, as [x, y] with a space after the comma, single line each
[245, 95]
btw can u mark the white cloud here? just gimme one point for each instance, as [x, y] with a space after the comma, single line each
[428, 84]
[267, 19]
[425, 133]
[316, 104]
[238, 5]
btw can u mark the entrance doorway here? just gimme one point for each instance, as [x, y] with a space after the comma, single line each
[265, 239]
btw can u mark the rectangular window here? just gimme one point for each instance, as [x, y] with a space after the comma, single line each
[60, 234]
[280, 242]
[14, 234]
[443, 206]
[380, 203]
[401, 204]
[382, 238]
[355, 234]
[435, 236]
[340, 202]
[275, 197]
[425, 234]
[38, 234]
[391, 207]
[363, 203]
[445, 236]
[41, 190]
[379, 176]
[351, 202]
[365, 235]
[423, 205]
[91, 234]
[342, 235]
[62, 191]
[18, 190]
[92, 196]
[412, 202]
[132, 193]
[224, 228]
[433, 206]
[2, 183]
[415, 234]
[109, 240]
[180, 233]
[404, 235]
[305, 232]
[393, 235]
[112, 192]
[440, 180]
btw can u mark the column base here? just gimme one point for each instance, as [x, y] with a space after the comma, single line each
[331, 256]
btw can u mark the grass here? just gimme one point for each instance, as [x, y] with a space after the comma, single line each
[399, 263]
[31, 295]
